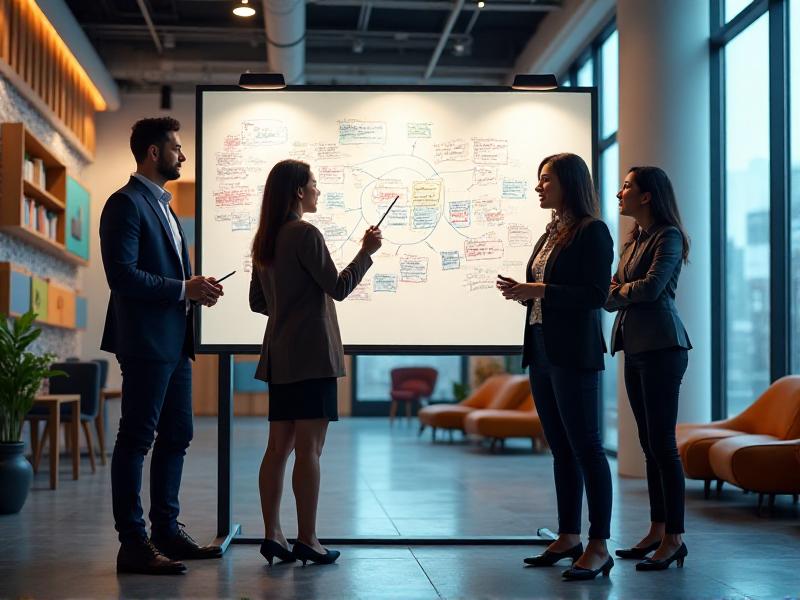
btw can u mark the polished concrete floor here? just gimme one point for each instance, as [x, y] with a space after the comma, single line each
[386, 482]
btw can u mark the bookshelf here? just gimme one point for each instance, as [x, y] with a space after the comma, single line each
[34, 191]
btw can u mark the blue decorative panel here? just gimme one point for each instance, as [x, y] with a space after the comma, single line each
[81, 312]
[244, 377]
[20, 300]
[78, 211]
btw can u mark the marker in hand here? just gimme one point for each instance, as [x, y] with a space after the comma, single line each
[224, 277]
[387, 210]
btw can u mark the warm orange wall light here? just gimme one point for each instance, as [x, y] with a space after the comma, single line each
[50, 32]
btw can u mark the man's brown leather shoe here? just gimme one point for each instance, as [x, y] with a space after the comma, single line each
[144, 558]
[181, 546]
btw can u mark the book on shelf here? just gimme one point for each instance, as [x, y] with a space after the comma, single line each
[39, 173]
[26, 211]
[41, 219]
[52, 222]
[27, 169]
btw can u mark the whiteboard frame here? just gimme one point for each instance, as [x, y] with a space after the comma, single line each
[373, 349]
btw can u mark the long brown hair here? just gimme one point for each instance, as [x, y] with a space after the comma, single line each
[578, 193]
[663, 205]
[280, 197]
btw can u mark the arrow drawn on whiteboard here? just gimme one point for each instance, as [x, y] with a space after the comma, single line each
[365, 172]
[431, 247]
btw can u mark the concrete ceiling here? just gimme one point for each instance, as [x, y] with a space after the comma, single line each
[149, 43]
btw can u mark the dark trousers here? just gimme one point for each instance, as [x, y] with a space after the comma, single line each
[568, 403]
[156, 397]
[653, 381]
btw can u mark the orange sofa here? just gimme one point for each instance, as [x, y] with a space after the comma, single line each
[502, 391]
[758, 463]
[776, 413]
[501, 424]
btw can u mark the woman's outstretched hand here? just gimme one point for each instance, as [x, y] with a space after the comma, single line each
[372, 239]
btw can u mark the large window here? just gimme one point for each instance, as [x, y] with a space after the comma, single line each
[599, 66]
[373, 379]
[747, 184]
[756, 217]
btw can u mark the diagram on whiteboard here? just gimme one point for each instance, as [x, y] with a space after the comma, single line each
[466, 208]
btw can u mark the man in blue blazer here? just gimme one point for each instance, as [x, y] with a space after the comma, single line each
[149, 326]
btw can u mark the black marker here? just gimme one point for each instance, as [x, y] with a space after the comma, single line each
[387, 210]
[226, 276]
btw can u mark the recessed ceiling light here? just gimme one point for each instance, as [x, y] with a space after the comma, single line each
[243, 10]
[481, 4]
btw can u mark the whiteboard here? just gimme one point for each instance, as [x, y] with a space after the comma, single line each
[464, 166]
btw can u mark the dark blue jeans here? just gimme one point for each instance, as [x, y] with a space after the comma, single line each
[156, 397]
[568, 403]
[653, 381]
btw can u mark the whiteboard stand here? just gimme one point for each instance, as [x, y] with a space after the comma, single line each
[229, 532]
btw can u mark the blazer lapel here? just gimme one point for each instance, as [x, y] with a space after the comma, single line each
[154, 204]
[622, 271]
[551, 260]
[187, 266]
[536, 250]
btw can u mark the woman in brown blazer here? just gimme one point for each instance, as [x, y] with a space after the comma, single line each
[294, 283]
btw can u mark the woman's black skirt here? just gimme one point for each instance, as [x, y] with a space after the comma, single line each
[307, 399]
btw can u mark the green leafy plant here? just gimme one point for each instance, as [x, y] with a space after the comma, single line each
[460, 391]
[21, 372]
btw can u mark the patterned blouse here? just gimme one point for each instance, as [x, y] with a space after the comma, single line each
[556, 225]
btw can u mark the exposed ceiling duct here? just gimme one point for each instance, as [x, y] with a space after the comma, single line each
[285, 27]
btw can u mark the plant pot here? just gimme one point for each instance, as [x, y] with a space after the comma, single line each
[16, 475]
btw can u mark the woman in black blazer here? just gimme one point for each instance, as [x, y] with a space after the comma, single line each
[566, 285]
[650, 332]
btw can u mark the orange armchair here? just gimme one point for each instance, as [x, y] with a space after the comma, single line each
[776, 413]
[501, 424]
[758, 463]
[499, 391]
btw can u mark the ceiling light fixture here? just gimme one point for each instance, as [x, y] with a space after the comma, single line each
[243, 10]
[481, 4]
[262, 81]
[533, 82]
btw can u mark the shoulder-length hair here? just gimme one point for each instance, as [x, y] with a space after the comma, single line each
[578, 193]
[280, 197]
[663, 205]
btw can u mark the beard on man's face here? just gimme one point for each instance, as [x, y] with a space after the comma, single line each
[168, 170]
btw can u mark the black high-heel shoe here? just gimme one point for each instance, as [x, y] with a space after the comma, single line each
[650, 564]
[637, 552]
[271, 549]
[548, 558]
[304, 553]
[580, 574]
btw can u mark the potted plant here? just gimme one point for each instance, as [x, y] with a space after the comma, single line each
[21, 375]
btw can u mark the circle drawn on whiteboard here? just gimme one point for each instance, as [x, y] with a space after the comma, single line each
[418, 209]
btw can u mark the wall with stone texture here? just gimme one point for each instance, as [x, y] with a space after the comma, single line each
[14, 108]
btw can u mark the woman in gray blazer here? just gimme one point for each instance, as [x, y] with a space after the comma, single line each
[294, 283]
[650, 332]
